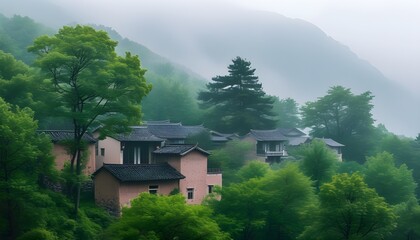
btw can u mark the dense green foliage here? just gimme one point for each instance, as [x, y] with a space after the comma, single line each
[164, 217]
[27, 210]
[318, 162]
[236, 102]
[395, 184]
[17, 33]
[349, 209]
[344, 117]
[272, 206]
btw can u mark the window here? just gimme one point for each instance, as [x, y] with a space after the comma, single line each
[102, 151]
[210, 188]
[137, 155]
[190, 193]
[153, 189]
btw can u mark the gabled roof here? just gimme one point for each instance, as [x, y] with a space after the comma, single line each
[169, 130]
[139, 134]
[64, 135]
[292, 132]
[179, 149]
[141, 172]
[222, 137]
[268, 135]
[330, 142]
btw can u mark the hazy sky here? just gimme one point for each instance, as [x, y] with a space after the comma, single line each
[384, 32]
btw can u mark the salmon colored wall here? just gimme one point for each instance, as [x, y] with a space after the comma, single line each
[61, 157]
[194, 168]
[106, 190]
[129, 191]
[214, 179]
[112, 152]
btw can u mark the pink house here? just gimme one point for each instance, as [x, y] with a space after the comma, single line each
[180, 167]
[117, 184]
[61, 154]
[190, 161]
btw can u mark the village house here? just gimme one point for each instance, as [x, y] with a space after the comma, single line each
[150, 158]
[271, 145]
[61, 140]
[173, 168]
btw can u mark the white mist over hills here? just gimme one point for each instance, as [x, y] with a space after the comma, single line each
[293, 57]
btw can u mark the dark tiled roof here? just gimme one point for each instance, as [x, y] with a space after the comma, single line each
[64, 135]
[222, 137]
[268, 135]
[179, 149]
[330, 142]
[140, 134]
[168, 130]
[292, 132]
[142, 172]
[296, 141]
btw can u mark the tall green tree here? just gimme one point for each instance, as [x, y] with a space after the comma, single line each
[94, 85]
[237, 102]
[318, 162]
[276, 205]
[349, 209]
[395, 184]
[24, 158]
[344, 117]
[164, 217]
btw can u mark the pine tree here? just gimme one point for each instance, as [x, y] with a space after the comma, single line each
[236, 102]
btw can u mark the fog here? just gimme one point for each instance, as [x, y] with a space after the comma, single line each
[384, 33]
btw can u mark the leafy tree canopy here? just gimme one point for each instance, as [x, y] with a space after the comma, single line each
[344, 117]
[93, 86]
[237, 102]
[164, 217]
[395, 184]
[318, 162]
[351, 210]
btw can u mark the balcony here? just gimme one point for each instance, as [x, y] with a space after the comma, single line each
[214, 170]
[281, 153]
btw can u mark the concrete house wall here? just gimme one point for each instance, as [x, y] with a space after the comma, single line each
[62, 156]
[112, 152]
[131, 190]
[107, 190]
[193, 166]
[113, 194]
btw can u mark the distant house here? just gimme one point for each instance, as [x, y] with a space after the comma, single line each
[269, 145]
[117, 184]
[61, 139]
[182, 167]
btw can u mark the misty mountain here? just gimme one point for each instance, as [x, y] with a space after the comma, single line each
[293, 58]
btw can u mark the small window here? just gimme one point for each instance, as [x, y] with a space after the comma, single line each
[190, 193]
[210, 188]
[96, 149]
[153, 189]
[102, 151]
